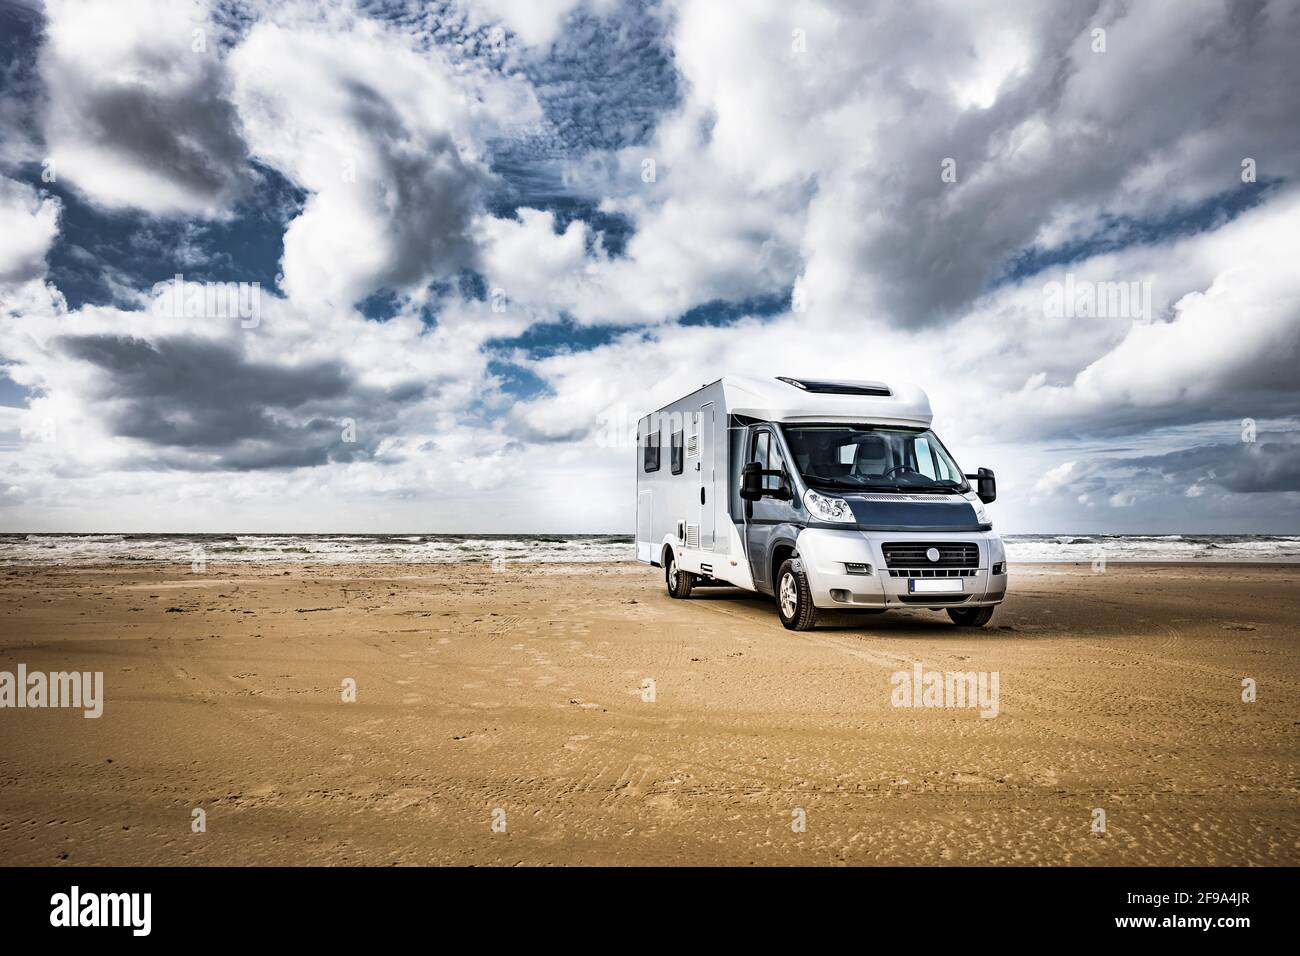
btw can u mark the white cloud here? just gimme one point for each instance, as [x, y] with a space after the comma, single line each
[1231, 345]
[1039, 126]
[137, 114]
[377, 131]
[1055, 479]
[29, 222]
[531, 263]
[536, 22]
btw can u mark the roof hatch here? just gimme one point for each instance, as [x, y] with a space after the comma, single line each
[838, 388]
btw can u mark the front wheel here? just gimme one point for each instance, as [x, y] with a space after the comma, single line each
[794, 597]
[971, 616]
[679, 582]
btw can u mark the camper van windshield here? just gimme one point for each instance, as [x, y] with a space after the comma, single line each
[867, 457]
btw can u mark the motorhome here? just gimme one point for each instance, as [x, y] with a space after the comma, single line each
[826, 495]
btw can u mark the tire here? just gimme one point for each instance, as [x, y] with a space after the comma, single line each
[794, 598]
[971, 616]
[679, 582]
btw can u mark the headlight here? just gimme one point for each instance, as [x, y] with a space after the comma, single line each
[825, 508]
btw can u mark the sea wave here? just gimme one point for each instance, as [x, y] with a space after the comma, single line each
[82, 549]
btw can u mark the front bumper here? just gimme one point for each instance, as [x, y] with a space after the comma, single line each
[825, 553]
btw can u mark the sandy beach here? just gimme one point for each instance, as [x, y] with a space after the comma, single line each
[574, 714]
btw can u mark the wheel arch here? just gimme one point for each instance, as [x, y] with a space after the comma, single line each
[782, 548]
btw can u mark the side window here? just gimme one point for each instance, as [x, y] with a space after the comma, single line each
[768, 455]
[676, 453]
[775, 462]
[925, 462]
[650, 451]
[942, 471]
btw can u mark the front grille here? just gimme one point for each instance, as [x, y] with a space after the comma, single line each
[932, 572]
[911, 554]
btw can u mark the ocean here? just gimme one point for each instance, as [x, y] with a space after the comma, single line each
[83, 549]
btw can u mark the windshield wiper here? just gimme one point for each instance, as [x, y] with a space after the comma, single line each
[935, 489]
[832, 482]
[905, 489]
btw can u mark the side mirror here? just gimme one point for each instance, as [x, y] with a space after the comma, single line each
[751, 483]
[986, 486]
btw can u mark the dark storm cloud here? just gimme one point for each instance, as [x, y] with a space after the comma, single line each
[1270, 464]
[151, 102]
[430, 195]
[188, 135]
[204, 405]
[1208, 95]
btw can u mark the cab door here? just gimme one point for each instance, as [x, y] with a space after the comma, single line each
[764, 518]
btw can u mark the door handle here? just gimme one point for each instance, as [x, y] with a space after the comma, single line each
[701, 494]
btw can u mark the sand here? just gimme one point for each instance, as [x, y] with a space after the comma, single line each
[502, 718]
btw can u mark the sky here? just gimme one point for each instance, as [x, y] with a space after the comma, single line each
[398, 266]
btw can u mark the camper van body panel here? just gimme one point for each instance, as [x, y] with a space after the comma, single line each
[689, 509]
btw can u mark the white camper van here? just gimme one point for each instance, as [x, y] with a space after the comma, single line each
[822, 494]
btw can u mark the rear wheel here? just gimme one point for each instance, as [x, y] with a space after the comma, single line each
[971, 616]
[794, 597]
[679, 582]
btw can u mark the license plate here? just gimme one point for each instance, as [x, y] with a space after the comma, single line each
[934, 585]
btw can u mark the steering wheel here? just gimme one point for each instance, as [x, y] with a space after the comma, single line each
[897, 468]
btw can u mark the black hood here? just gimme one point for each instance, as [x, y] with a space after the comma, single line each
[937, 513]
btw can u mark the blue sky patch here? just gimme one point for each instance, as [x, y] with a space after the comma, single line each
[550, 338]
[98, 248]
[1120, 232]
[720, 312]
[519, 382]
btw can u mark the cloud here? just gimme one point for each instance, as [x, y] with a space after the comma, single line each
[697, 240]
[382, 136]
[534, 21]
[209, 407]
[867, 106]
[1230, 346]
[29, 222]
[164, 389]
[137, 113]
[1270, 465]
[532, 263]
[1055, 479]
